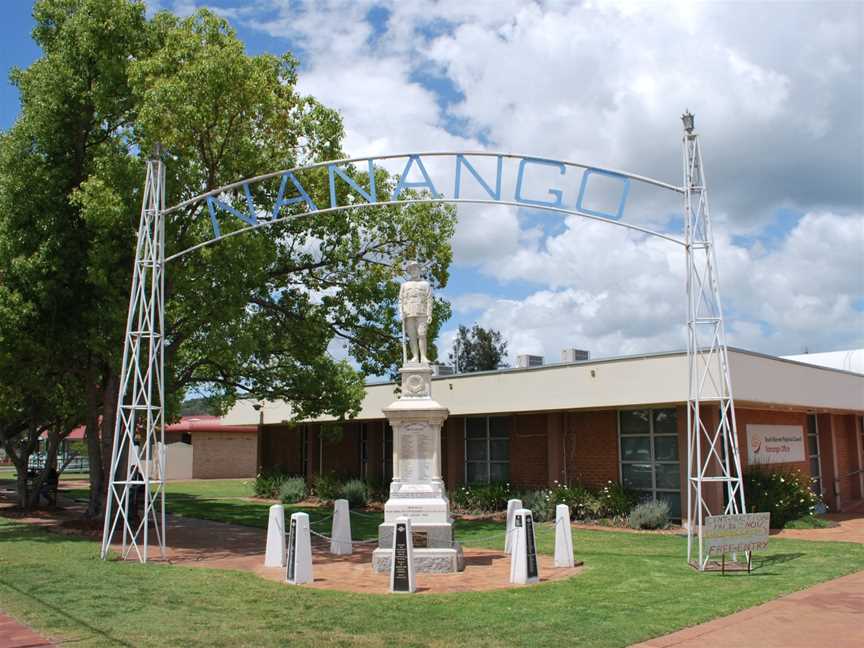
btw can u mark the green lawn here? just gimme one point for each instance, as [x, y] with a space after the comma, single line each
[634, 587]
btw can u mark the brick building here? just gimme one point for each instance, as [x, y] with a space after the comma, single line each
[620, 419]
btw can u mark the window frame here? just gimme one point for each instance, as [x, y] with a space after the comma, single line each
[817, 479]
[652, 460]
[488, 461]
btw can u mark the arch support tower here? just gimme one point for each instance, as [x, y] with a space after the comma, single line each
[136, 486]
[714, 484]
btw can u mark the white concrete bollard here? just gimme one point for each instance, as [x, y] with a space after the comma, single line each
[513, 505]
[340, 532]
[402, 576]
[299, 568]
[563, 537]
[523, 560]
[274, 556]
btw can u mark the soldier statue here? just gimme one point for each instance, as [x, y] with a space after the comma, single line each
[415, 309]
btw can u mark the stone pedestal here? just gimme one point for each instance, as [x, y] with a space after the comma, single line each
[417, 490]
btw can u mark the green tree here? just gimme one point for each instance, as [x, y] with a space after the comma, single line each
[252, 315]
[478, 349]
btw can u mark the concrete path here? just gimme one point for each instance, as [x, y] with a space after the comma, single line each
[15, 635]
[828, 614]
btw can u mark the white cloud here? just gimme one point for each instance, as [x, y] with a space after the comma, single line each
[778, 101]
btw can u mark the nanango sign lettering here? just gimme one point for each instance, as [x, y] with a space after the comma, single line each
[416, 176]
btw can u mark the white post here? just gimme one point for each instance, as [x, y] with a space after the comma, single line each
[274, 556]
[523, 560]
[402, 558]
[299, 569]
[563, 537]
[340, 532]
[513, 505]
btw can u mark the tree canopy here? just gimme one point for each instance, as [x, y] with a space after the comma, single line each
[478, 349]
[275, 313]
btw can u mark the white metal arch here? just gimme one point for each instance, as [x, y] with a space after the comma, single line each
[138, 462]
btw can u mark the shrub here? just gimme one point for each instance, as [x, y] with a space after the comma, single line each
[616, 500]
[783, 493]
[584, 505]
[356, 492]
[378, 491]
[328, 487]
[268, 484]
[540, 503]
[649, 515]
[293, 490]
[482, 498]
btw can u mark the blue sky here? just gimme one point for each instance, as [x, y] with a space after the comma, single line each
[604, 84]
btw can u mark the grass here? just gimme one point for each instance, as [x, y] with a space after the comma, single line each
[635, 586]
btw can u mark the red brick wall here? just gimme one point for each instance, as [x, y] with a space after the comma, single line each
[591, 440]
[222, 455]
[845, 428]
[528, 447]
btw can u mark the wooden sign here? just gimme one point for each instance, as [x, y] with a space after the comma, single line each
[740, 533]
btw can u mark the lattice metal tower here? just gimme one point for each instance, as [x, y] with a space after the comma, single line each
[137, 477]
[714, 484]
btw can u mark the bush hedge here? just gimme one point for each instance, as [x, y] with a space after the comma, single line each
[268, 484]
[356, 492]
[785, 494]
[292, 490]
[649, 515]
[328, 487]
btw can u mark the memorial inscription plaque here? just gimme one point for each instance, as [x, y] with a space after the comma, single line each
[531, 550]
[292, 551]
[401, 578]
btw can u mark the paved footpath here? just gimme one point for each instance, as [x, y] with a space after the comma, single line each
[828, 614]
[15, 635]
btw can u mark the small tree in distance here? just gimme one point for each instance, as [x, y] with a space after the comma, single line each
[478, 349]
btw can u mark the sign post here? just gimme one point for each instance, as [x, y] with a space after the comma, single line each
[340, 533]
[299, 569]
[563, 537]
[523, 560]
[402, 559]
[274, 556]
[513, 505]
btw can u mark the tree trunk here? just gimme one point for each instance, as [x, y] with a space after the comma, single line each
[22, 500]
[94, 453]
[98, 493]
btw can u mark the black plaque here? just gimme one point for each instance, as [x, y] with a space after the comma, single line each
[419, 539]
[530, 548]
[292, 553]
[401, 577]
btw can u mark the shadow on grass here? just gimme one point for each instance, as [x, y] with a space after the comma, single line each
[71, 617]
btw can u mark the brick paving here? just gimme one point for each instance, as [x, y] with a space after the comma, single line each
[16, 635]
[215, 545]
[828, 614]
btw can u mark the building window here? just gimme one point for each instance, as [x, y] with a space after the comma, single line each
[650, 463]
[487, 449]
[813, 453]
